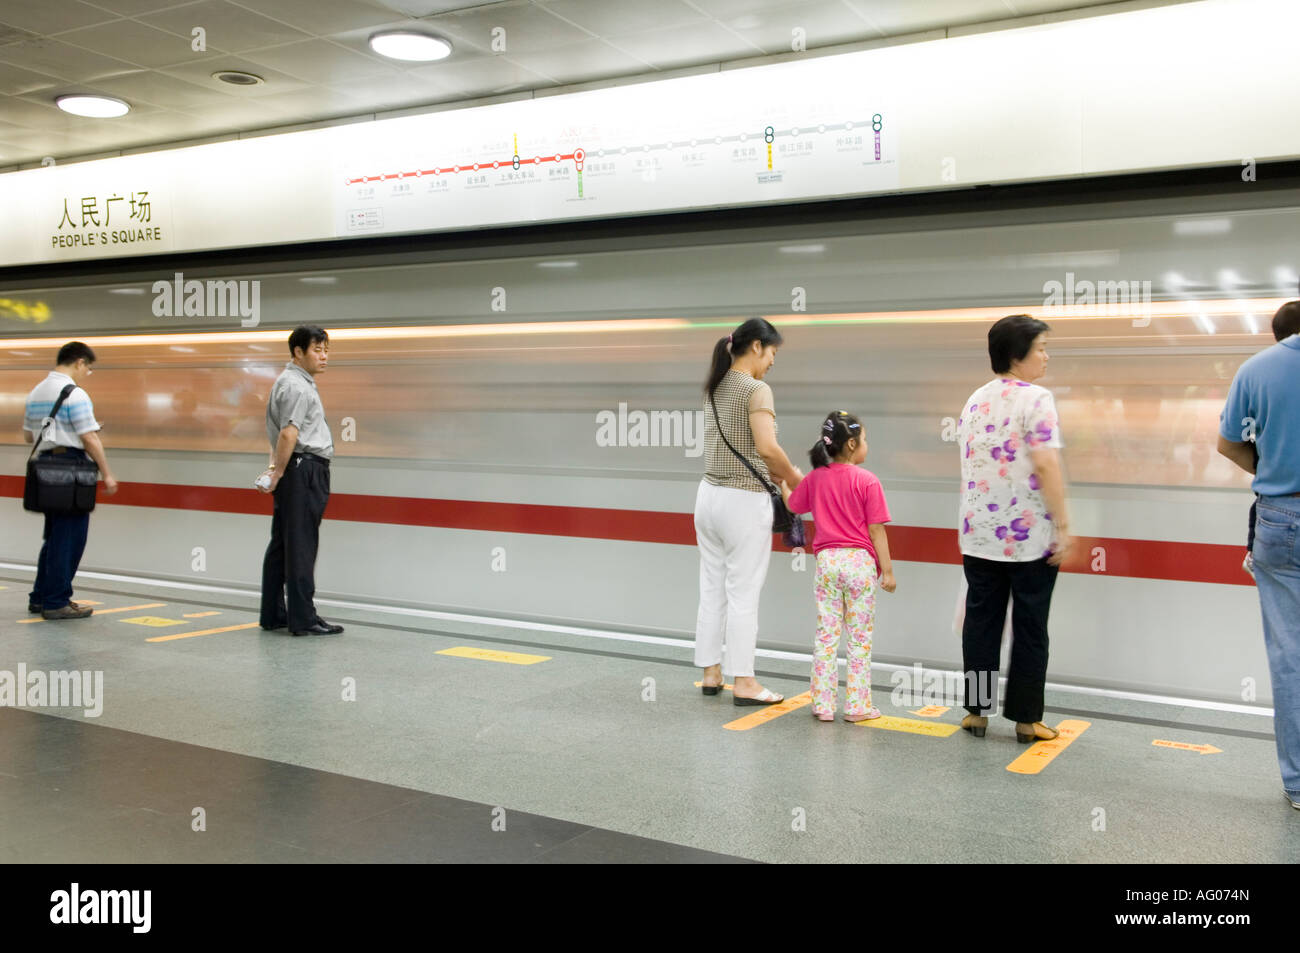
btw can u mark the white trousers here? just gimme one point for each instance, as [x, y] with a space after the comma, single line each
[734, 531]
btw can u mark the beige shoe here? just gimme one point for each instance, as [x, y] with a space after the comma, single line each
[70, 611]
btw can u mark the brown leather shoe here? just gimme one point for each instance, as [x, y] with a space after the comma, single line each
[1027, 733]
[977, 725]
[70, 611]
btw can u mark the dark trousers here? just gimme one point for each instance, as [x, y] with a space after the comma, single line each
[290, 563]
[65, 541]
[989, 582]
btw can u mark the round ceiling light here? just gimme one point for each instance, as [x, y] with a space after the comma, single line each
[405, 45]
[94, 107]
[237, 78]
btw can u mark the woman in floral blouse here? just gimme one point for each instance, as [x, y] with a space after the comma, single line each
[1013, 526]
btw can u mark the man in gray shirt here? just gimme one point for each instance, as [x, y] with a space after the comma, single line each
[301, 448]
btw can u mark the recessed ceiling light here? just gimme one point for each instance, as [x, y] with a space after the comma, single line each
[236, 77]
[94, 107]
[405, 45]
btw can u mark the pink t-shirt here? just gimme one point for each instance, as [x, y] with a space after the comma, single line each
[843, 500]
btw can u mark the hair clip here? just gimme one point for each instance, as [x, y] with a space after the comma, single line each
[827, 440]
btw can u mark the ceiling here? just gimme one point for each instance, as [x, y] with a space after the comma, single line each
[316, 65]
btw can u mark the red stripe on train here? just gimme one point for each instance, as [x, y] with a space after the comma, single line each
[1136, 558]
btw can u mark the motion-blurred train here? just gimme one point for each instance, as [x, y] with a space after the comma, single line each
[515, 420]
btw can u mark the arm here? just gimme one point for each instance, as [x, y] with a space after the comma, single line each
[284, 446]
[763, 426]
[1047, 466]
[881, 543]
[1242, 454]
[95, 450]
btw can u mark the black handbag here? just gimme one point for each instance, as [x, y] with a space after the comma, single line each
[783, 521]
[59, 484]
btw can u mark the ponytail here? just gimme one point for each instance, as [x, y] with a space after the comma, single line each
[838, 429]
[735, 344]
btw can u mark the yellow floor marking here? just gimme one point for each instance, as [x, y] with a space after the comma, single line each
[930, 711]
[147, 605]
[191, 635]
[157, 622]
[767, 713]
[1203, 749]
[200, 615]
[1041, 753]
[725, 686]
[492, 655]
[87, 602]
[937, 729]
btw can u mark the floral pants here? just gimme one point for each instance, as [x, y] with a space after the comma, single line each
[846, 599]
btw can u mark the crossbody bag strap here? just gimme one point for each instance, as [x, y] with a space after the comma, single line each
[718, 420]
[63, 395]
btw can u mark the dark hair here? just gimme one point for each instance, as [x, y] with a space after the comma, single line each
[1287, 320]
[1011, 338]
[74, 351]
[305, 335]
[838, 428]
[736, 344]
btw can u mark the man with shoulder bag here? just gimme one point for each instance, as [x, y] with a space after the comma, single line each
[60, 422]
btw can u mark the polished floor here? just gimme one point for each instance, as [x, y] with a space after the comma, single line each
[412, 738]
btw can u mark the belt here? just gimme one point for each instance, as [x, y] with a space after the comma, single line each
[311, 456]
[73, 450]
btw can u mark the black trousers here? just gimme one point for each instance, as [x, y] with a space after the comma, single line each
[290, 563]
[989, 582]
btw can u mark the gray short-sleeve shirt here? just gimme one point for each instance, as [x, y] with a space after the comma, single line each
[295, 401]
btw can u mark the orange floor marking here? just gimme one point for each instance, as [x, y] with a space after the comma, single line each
[1183, 745]
[767, 713]
[200, 615]
[1041, 753]
[931, 711]
[191, 635]
[147, 605]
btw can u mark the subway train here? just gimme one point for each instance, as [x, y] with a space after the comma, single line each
[518, 427]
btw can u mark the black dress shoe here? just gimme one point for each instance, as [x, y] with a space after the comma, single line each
[320, 627]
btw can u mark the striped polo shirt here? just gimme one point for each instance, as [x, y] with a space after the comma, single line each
[76, 416]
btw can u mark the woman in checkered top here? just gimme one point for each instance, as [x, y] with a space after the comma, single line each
[733, 510]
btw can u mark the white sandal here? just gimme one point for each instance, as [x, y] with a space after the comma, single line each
[765, 697]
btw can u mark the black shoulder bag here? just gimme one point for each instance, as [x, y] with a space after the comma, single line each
[783, 521]
[59, 484]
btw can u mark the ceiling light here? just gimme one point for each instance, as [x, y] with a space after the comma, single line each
[405, 45]
[94, 107]
[234, 77]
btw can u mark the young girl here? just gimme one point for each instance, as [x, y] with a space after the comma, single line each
[849, 512]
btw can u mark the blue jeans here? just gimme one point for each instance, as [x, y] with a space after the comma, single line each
[1277, 576]
[65, 541]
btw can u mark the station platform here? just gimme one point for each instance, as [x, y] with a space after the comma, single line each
[421, 737]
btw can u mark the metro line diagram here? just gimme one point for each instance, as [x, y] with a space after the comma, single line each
[579, 156]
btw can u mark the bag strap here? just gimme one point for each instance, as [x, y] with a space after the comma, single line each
[63, 395]
[718, 420]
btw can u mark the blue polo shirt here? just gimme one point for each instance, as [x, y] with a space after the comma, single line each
[1266, 391]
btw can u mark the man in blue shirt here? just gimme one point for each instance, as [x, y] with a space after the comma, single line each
[1263, 408]
[74, 431]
